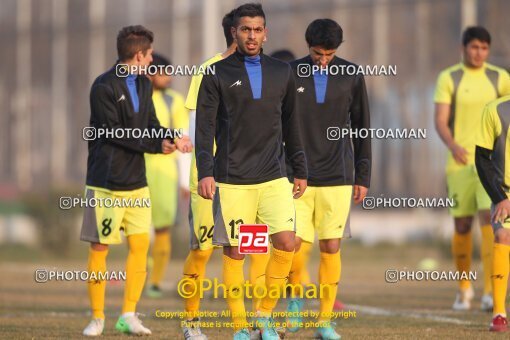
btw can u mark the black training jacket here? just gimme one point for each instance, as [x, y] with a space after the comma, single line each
[331, 162]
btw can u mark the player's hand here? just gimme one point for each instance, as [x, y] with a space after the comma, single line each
[299, 187]
[359, 193]
[501, 211]
[167, 147]
[183, 144]
[459, 153]
[207, 187]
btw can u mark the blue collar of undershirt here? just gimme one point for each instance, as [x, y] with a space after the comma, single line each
[254, 70]
[131, 84]
[320, 80]
[252, 59]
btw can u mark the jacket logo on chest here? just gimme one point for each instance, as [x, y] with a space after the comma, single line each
[123, 97]
[237, 83]
[301, 89]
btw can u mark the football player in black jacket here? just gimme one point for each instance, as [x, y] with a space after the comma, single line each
[331, 105]
[248, 108]
[121, 108]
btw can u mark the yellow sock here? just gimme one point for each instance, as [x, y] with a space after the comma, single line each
[329, 275]
[487, 251]
[194, 268]
[258, 264]
[136, 270]
[233, 275]
[306, 248]
[160, 257]
[296, 271]
[96, 289]
[277, 272]
[462, 248]
[500, 268]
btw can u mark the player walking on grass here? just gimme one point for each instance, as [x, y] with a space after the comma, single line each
[338, 168]
[201, 216]
[462, 92]
[492, 159]
[201, 219]
[248, 108]
[116, 170]
[162, 173]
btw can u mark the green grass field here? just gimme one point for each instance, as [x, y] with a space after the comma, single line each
[403, 310]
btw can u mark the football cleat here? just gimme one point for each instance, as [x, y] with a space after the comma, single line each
[154, 292]
[192, 330]
[487, 303]
[94, 328]
[463, 299]
[131, 325]
[327, 332]
[499, 324]
[267, 328]
[242, 334]
[294, 309]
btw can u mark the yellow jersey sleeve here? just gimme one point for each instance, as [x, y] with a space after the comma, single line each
[444, 88]
[196, 80]
[490, 127]
[191, 104]
[179, 112]
[504, 83]
[162, 109]
[191, 99]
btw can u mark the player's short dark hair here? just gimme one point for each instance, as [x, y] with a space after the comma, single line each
[284, 55]
[160, 60]
[475, 32]
[251, 10]
[326, 33]
[227, 23]
[131, 40]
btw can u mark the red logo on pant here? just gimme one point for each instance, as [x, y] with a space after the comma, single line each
[253, 239]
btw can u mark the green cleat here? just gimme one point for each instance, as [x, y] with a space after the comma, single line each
[294, 319]
[154, 292]
[131, 325]
[327, 332]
